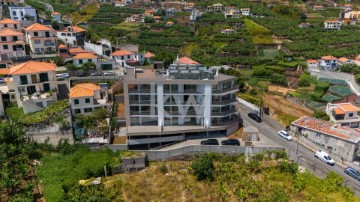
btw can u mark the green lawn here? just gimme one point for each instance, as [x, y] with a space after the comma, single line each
[268, 53]
[260, 35]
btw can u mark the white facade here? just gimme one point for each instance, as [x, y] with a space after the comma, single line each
[122, 3]
[332, 24]
[10, 24]
[11, 44]
[19, 13]
[34, 91]
[329, 63]
[195, 14]
[123, 57]
[245, 11]
[312, 63]
[80, 61]
[72, 36]
[41, 41]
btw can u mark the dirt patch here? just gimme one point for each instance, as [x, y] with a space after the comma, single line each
[237, 135]
[279, 90]
[284, 110]
[120, 110]
[119, 140]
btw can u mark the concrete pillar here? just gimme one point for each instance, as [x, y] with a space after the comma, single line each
[160, 104]
[207, 105]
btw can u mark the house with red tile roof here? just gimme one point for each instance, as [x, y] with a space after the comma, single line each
[72, 36]
[41, 39]
[332, 24]
[345, 114]
[127, 58]
[83, 58]
[10, 24]
[344, 60]
[86, 97]
[341, 141]
[33, 85]
[186, 61]
[11, 44]
[312, 63]
[329, 63]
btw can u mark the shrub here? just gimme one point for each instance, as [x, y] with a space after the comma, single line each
[321, 115]
[287, 167]
[163, 169]
[203, 167]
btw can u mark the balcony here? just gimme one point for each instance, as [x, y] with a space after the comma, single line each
[224, 113]
[38, 96]
[189, 91]
[147, 91]
[43, 80]
[148, 112]
[235, 88]
[224, 102]
[140, 102]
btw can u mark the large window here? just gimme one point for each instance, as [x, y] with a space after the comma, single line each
[23, 80]
[5, 47]
[87, 110]
[3, 38]
[37, 41]
[43, 77]
[76, 101]
[87, 100]
[46, 87]
[36, 34]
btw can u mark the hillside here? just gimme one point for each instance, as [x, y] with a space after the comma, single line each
[211, 177]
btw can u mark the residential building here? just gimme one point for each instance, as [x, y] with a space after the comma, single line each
[136, 18]
[86, 97]
[214, 8]
[158, 18]
[304, 25]
[195, 14]
[186, 101]
[75, 50]
[56, 16]
[33, 84]
[312, 63]
[102, 47]
[72, 36]
[10, 24]
[189, 6]
[245, 11]
[126, 58]
[83, 58]
[231, 12]
[332, 24]
[123, 3]
[186, 61]
[348, 7]
[169, 23]
[41, 39]
[343, 142]
[12, 44]
[149, 13]
[148, 56]
[318, 8]
[343, 61]
[345, 114]
[329, 62]
[227, 31]
[351, 17]
[23, 13]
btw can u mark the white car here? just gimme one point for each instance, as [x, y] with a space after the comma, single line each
[285, 135]
[325, 157]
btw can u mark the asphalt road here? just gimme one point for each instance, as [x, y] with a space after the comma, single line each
[269, 128]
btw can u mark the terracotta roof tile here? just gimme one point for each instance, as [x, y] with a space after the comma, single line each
[55, 13]
[347, 107]
[84, 55]
[62, 46]
[121, 53]
[9, 21]
[77, 50]
[74, 29]
[149, 55]
[38, 27]
[339, 111]
[329, 57]
[312, 61]
[32, 67]
[4, 71]
[83, 90]
[9, 32]
[343, 59]
[187, 61]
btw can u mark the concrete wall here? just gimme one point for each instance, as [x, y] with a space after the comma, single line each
[154, 155]
[54, 137]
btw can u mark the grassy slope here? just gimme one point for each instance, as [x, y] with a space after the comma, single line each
[260, 35]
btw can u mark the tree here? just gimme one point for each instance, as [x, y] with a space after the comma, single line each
[100, 114]
[87, 66]
[321, 115]
[149, 20]
[55, 25]
[71, 67]
[58, 61]
[203, 167]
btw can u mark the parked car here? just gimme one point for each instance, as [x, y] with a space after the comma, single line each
[81, 74]
[96, 74]
[210, 142]
[109, 74]
[254, 116]
[234, 142]
[325, 157]
[285, 135]
[65, 75]
[59, 77]
[353, 173]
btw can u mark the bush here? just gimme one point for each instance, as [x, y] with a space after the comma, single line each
[203, 167]
[321, 115]
[306, 80]
[163, 169]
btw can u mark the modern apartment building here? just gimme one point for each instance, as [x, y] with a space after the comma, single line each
[33, 85]
[186, 101]
[345, 114]
[23, 13]
[41, 39]
[11, 44]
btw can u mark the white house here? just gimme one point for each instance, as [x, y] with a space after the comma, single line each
[343, 61]
[82, 58]
[126, 58]
[72, 36]
[329, 62]
[21, 13]
[33, 84]
[10, 24]
[102, 47]
[214, 8]
[346, 114]
[86, 97]
[41, 39]
[122, 3]
[312, 63]
[332, 24]
[231, 12]
[12, 44]
[348, 7]
[227, 31]
[56, 16]
[195, 14]
[245, 11]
